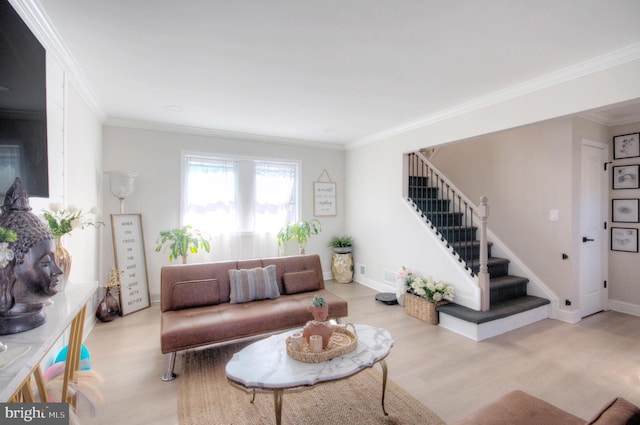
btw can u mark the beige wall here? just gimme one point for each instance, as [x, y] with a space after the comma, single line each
[525, 173]
[624, 267]
[156, 156]
[547, 157]
[389, 237]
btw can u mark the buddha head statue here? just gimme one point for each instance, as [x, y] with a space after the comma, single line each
[32, 277]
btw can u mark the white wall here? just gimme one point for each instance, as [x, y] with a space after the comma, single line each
[156, 157]
[74, 146]
[389, 239]
[83, 184]
[624, 267]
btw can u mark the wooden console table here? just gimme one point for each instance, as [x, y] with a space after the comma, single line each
[68, 310]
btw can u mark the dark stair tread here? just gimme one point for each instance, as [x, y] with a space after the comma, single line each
[506, 281]
[454, 228]
[492, 261]
[472, 243]
[498, 311]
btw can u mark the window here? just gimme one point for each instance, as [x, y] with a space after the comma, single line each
[233, 195]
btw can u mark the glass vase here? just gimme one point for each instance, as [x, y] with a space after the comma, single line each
[63, 260]
[108, 308]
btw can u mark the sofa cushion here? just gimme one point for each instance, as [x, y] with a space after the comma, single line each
[195, 293]
[253, 284]
[296, 282]
[518, 407]
[618, 411]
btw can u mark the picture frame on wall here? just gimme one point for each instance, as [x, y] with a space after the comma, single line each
[624, 239]
[625, 176]
[626, 146]
[625, 210]
[324, 199]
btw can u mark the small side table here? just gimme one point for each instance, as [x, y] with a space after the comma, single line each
[342, 267]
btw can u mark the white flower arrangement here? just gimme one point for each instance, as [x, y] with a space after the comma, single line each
[426, 287]
[62, 221]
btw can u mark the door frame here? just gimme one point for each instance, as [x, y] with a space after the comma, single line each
[605, 218]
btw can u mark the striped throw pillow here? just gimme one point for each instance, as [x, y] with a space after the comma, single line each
[253, 284]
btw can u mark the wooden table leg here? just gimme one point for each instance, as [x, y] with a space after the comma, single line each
[277, 404]
[74, 348]
[384, 383]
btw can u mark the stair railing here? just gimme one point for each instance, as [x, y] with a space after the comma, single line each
[451, 215]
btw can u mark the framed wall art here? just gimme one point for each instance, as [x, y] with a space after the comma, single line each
[128, 249]
[625, 176]
[324, 198]
[623, 239]
[625, 210]
[626, 146]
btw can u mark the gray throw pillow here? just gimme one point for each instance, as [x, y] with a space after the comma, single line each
[253, 284]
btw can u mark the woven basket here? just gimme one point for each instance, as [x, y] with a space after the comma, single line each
[342, 341]
[421, 308]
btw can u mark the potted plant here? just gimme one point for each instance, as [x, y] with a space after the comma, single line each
[319, 308]
[423, 295]
[320, 311]
[300, 231]
[341, 244]
[6, 255]
[182, 241]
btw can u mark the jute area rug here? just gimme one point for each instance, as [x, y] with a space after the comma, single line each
[205, 397]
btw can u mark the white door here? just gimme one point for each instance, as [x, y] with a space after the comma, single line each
[593, 235]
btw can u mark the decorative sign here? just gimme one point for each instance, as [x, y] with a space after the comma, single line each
[324, 198]
[128, 247]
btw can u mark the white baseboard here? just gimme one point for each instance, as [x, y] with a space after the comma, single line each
[569, 316]
[375, 285]
[624, 307]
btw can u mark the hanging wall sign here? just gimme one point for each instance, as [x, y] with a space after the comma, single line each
[324, 196]
[128, 247]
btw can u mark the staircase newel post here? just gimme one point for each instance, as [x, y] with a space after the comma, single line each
[483, 272]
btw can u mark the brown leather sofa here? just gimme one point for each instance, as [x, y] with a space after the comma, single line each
[518, 407]
[202, 305]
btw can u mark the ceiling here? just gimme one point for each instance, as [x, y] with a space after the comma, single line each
[335, 71]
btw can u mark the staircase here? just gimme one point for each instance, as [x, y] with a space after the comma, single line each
[452, 219]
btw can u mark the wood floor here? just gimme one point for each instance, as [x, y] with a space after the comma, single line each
[576, 367]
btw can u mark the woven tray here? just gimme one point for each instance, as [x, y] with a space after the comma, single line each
[342, 341]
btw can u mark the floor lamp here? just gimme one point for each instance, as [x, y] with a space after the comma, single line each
[121, 185]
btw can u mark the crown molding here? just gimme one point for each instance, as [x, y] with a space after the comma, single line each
[39, 23]
[207, 132]
[602, 118]
[592, 66]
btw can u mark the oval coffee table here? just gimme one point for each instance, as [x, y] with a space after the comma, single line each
[266, 366]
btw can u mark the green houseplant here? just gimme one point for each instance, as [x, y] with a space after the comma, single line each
[341, 244]
[6, 255]
[181, 241]
[300, 231]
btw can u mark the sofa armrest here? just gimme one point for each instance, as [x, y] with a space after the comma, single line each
[617, 412]
[518, 407]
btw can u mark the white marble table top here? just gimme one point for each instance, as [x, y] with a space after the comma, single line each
[32, 345]
[265, 364]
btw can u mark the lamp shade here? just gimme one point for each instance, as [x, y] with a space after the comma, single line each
[121, 184]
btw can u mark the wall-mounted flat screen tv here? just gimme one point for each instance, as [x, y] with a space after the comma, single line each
[23, 106]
